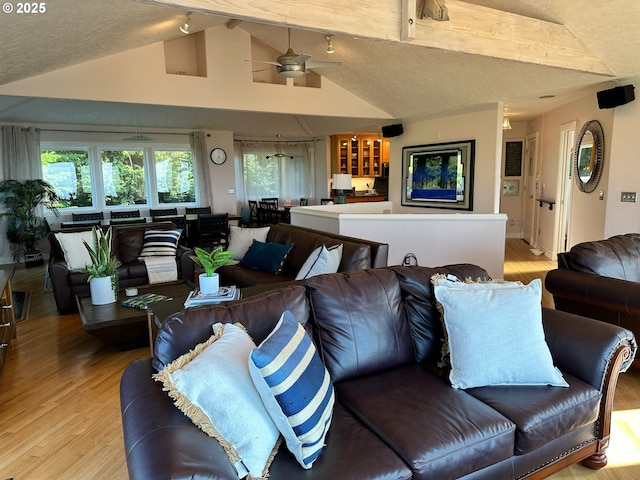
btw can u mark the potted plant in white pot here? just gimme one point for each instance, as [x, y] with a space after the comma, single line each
[103, 276]
[209, 281]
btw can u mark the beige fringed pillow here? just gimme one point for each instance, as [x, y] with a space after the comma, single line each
[212, 386]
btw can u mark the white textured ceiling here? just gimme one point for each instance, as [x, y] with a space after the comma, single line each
[404, 80]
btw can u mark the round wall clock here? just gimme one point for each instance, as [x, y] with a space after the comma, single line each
[218, 156]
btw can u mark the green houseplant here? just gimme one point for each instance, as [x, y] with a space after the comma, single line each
[24, 228]
[103, 269]
[209, 281]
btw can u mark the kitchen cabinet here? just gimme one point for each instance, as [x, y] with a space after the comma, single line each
[360, 156]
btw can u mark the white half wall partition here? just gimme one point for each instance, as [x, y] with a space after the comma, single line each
[435, 239]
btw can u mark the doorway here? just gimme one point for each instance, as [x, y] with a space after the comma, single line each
[565, 186]
[529, 210]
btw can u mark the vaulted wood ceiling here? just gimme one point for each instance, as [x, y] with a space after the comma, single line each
[511, 51]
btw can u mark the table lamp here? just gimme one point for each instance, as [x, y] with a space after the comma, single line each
[341, 182]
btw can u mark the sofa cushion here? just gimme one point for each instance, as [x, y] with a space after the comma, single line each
[160, 243]
[543, 414]
[242, 426]
[259, 315]
[322, 260]
[240, 239]
[424, 319]
[362, 326]
[268, 256]
[355, 256]
[616, 257]
[295, 388]
[454, 433]
[495, 335]
[75, 253]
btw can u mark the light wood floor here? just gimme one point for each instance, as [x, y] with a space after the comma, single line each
[59, 401]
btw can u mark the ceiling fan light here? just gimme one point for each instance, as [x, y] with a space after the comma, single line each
[291, 71]
[506, 123]
[330, 48]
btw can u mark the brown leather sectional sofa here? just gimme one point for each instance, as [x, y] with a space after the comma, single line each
[357, 254]
[394, 417]
[127, 240]
[600, 279]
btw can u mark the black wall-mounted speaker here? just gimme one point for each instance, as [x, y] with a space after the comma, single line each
[392, 130]
[614, 97]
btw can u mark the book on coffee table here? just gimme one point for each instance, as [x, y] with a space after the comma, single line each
[225, 294]
[141, 301]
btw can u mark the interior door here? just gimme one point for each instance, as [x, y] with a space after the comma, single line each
[530, 187]
[565, 186]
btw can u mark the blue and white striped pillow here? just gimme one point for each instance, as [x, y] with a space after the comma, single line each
[295, 388]
[160, 243]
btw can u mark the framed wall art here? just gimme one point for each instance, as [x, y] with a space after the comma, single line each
[439, 175]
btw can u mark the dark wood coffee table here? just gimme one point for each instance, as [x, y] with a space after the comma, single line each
[127, 328]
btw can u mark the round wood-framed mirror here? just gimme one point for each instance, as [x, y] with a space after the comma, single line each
[588, 156]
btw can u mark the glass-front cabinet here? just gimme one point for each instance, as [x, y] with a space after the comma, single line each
[361, 156]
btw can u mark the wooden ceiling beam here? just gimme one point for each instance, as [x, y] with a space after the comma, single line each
[472, 29]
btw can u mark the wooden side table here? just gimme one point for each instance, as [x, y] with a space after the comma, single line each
[7, 316]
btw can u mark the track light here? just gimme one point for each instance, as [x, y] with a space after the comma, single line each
[329, 44]
[184, 28]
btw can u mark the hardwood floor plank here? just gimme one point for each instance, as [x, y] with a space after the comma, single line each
[59, 394]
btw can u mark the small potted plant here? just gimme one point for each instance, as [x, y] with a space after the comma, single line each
[103, 276]
[209, 281]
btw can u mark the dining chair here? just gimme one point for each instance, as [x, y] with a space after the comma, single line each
[127, 220]
[254, 218]
[125, 214]
[213, 230]
[268, 213]
[159, 212]
[197, 210]
[245, 217]
[326, 201]
[304, 202]
[87, 216]
[271, 199]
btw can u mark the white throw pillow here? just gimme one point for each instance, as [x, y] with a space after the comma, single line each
[75, 253]
[322, 260]
[240, 239]
[496, 336]
[212, 386]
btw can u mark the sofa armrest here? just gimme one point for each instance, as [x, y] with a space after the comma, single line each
[187, 266]
[587, 348]
[62, 294]
[591, 289]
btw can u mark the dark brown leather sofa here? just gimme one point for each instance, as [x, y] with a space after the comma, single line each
[357, 254]
[127, 241]
[600, 279]
[394, 417]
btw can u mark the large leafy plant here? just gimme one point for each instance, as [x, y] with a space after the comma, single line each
[212, 260]
[19, 200]
[103, 264]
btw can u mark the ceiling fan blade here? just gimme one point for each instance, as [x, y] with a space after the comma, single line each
[300, 59]
[263, 61]
[262, 70]
[313, 64]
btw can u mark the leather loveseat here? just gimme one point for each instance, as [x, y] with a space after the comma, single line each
[357, 254]
[128, 241]
[600, 279]
[379, 334]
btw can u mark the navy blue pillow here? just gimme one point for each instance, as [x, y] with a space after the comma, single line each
[269, 257]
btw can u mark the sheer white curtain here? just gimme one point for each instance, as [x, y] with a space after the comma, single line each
[199, 149]
[275, 169]
[21, 153]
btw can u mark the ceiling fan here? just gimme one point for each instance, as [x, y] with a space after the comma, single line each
[291, 64]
